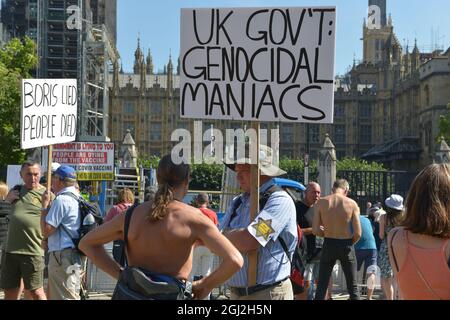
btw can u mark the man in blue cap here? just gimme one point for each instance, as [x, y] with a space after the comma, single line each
[60, 224]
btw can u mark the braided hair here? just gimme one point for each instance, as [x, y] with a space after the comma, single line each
[169, 176]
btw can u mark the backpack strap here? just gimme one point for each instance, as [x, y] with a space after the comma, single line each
[123, 256]
[285, 248]
[236, 204]
[73, 196]
[264, 197]
[262, 203]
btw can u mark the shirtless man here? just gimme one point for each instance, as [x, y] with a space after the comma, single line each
[162, 235]
[334, 219]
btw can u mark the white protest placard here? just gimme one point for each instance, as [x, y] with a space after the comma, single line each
[258, 64]
[49, 112]
[13, 177]
[93, 161]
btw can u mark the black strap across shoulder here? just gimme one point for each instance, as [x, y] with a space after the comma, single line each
[128, 214]
[187, 286]
[263, 198]
[392, 250]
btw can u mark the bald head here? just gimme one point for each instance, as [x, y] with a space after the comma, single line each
[312, 194]
[202, 199]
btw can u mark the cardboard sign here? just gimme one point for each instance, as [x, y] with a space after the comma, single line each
[49, 112]
[258, 64]
[13, 176]
[93, 161]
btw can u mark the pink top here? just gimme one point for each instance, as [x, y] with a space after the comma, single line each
[116, 210]
[425, 274]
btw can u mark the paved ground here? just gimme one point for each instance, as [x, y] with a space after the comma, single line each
[217, 296]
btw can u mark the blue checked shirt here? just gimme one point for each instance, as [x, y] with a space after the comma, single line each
[279, 211]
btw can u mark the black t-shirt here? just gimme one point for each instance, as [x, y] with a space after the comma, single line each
[311, 249]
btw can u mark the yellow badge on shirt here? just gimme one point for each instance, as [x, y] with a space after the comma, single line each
[263, 228]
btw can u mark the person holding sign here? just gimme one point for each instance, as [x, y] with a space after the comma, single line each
[277, 219]
[24, 258]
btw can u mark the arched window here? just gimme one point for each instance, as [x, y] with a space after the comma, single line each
[426, 92]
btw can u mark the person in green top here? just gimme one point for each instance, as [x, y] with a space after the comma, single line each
[24, 254]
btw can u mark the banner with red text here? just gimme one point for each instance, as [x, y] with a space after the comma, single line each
[93, 161]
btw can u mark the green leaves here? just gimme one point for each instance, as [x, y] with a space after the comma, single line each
[444, 126]
[148, 162]
[353, 164]
[19, 56]
[206, 177]
[17, 59]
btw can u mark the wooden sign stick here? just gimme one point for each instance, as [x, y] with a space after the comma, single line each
[254, 208]
[49, 168]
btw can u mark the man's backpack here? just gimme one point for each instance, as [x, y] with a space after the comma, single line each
[90, 218]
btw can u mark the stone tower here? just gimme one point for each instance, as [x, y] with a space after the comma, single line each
[138, 58]
[382, 5]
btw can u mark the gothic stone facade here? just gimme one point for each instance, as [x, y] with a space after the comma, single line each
[386, 108]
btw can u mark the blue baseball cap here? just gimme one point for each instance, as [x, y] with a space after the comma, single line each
[66, 173]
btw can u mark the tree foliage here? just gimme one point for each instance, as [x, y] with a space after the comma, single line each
[206, 177]
[148, 161]
[17, 59]
[444, 126]
[353, 164]
[209, 177]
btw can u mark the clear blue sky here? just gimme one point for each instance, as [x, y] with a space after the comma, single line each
[157, 22]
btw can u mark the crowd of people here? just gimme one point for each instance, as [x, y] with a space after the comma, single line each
[406, 245]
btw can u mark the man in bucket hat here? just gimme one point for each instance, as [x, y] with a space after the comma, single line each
[277, 219]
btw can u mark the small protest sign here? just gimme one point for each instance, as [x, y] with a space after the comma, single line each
[93, 161]
[49, 112]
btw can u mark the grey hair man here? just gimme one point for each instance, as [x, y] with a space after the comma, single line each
[333, 217]
[24, 257]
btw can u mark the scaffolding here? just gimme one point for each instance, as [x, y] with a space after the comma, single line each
[86, 54]
[98, 59]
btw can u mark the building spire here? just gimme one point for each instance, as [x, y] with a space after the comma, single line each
[138, 57]
[149, 62]
[170, 64]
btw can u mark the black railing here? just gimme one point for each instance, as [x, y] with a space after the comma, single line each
[374, 186]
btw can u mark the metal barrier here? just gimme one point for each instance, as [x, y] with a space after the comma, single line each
[98, 280]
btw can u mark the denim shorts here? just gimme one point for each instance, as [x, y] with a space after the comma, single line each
[366, 256]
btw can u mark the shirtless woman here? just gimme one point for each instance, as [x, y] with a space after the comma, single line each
[163, 233]
[334, 219]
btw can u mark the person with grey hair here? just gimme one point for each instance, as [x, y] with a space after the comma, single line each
[24, 257]
[150, 192]
[332, 219]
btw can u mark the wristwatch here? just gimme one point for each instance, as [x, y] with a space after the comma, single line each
[44, 209]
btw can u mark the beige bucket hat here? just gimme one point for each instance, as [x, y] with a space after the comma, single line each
[266, 156]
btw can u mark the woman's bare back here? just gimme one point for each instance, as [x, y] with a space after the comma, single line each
[164, 246]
